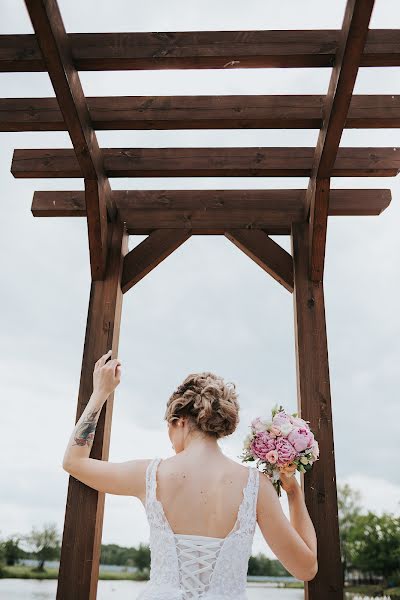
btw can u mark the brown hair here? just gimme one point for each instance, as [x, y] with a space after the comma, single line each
[210, 404]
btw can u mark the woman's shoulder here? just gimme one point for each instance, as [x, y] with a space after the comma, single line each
[229, 466]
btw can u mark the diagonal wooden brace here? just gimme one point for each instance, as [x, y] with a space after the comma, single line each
[269, 255]
[148, 254]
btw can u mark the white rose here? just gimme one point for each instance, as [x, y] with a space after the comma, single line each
[304, 460]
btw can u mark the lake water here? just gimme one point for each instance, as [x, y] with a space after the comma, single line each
[31, 589]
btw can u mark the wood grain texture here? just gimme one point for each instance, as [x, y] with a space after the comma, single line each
[268, 255]
[318, 226]
[148, 254]
[314, 405]
[201, 50]
[55, 49]
[186, 207]
[199, 112]
[204, 162]
[202, 210]
[81, 540]
[343, 77]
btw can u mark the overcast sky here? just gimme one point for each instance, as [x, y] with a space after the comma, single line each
[207, 306]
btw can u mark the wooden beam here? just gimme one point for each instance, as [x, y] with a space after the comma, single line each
[148, 254]
[204, 210]
[348, 57]
[269, 255]
[373, 111]
[208, 162]
[341, 85]
[201, 50]
[199, 210]
[199, 112]
[358, 202]
[55, 49]
[81, 540]
[319, 193]
[314, 405]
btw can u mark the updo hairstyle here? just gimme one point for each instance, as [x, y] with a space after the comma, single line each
[210, 404]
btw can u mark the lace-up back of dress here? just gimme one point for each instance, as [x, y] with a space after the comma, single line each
[193, 566]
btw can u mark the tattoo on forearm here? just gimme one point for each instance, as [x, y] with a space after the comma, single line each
[84, 433]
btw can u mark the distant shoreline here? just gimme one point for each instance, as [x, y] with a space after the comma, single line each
[24, 572]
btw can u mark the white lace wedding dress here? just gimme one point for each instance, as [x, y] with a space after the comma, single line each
[188, 567]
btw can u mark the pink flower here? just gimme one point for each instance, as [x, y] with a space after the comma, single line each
[298, 421]
[259, 424]
[286, 452]
[271, 456]
[275, 431]
[281, 418]
[262, 444]
[301, 438]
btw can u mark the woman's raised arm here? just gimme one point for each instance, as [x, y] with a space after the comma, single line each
[125, 478]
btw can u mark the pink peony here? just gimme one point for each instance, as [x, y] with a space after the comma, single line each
[259, 424]
[281, 418]
[262, 444]
[275, 431]
[301, 438]
[286, 452]
[272, 456]
[298, 421]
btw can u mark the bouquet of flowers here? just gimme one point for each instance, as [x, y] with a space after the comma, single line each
[283, 444]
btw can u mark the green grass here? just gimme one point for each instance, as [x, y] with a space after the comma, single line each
[294, 584]
[24, 572]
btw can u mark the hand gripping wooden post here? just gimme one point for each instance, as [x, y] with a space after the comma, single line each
[81, 543]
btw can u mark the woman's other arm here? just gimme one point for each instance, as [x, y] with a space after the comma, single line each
[300, 518]
[293, 542]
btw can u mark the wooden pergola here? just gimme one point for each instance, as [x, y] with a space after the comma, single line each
[246, 217]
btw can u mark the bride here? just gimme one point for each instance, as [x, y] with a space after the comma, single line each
[202, 506]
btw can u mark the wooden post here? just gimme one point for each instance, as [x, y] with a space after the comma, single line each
[80, 551]
[314, 405]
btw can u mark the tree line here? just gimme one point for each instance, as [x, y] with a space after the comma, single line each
[370, 546]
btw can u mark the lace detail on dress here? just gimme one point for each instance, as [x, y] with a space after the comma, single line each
[229, 573]
[197, 557]
[164, 568]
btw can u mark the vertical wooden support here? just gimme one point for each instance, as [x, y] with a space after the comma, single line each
[314, 405]
[80, 551]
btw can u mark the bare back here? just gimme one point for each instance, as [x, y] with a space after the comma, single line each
[202, 498]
